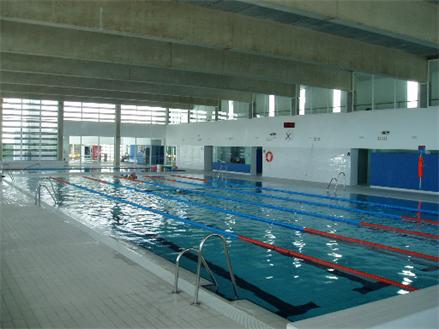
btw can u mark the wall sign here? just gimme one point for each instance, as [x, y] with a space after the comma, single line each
[289, 124]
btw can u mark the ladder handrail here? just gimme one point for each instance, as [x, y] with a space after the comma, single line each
[329, 185]
[344, 181]
[200, 257]
[177, 268]
[38, 194]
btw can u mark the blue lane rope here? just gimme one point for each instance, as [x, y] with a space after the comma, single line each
[315, 195]
[367, 212]
[252, 203]
[212, 208]
[181, 219]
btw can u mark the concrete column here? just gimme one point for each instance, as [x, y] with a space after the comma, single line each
[295, 100]
[349, 101]
[66, 145]
[254, 161]
[217, 109]
[252, 109]
[423, 95]
[167, 116]
[1, 130]
[60, 147]
[117, 138]
[208, 158]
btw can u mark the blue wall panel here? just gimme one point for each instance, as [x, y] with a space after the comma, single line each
[237, 167]
[400, 170]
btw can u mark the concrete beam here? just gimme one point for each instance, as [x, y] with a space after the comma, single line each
[98, 70]
[194, 25]
[107, 96]
[52, 80]
[413, 21]
[57, 42]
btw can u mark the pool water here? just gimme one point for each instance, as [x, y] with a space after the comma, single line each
[287, 286]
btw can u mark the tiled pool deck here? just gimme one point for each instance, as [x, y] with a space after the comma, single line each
[55, 275]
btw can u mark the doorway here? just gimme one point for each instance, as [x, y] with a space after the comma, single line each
[363, 167]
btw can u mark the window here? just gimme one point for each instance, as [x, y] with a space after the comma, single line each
[412, 94]
[202, 113]
[271, 105]
[302, 101]
[92, 112]
[178, 116]
[29, 129]
[336, 101]
[143, 114]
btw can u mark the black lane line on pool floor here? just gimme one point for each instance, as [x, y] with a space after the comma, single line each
[284, 309]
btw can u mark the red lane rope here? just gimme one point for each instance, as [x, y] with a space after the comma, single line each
[399, 230]
[422, 220]
[188, 177]
[158, 177]
[341, 237]
[371, 244]
[322, 262]
[311, 259]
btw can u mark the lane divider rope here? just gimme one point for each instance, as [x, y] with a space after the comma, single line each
[301, 212]
[313, 203]
[315, 195]
[274, 222]
[280, 250]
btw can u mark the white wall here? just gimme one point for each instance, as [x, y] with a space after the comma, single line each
[310, 164]
[318, 140]
[190, 156]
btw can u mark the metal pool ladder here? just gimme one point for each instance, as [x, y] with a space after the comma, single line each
[202, 261]
[335, 179]
[50, 190]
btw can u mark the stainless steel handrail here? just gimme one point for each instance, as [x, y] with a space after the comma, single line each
[38, 194]
[177, 268]
[344, 180]
[330, 183]
[200, 257]
[11, 175]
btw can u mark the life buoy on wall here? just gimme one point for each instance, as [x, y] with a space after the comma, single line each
[269, 156]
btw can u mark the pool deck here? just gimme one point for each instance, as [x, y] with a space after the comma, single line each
[55, 274]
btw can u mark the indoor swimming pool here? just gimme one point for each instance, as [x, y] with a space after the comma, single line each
[299, 253]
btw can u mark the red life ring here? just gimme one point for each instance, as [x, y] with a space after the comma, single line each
[269, 156]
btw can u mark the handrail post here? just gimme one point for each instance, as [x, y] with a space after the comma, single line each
[197, 280]
[200, 258]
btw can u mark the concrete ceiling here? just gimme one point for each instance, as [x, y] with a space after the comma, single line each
[312, 15]
[175, 52]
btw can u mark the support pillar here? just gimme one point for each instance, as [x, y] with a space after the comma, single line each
[208, 158]
[117, 138]
[295, 94]
[60, 145]
[1, 129]
[217, 109]
[349, 101]
[423, 95]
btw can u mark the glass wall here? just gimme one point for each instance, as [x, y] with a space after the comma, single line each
[232, 158]
[374, 92]
[142, 114]
[178, 116]
[233, 110]
[91, 150]
[29, 129]
[92, 112]
[315, 100]
[135, 150]
[171, 156]
[202, 113]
